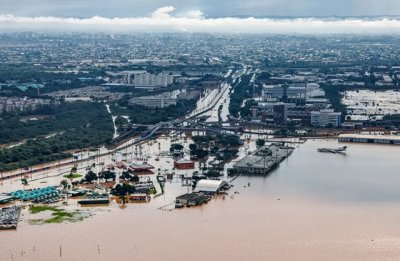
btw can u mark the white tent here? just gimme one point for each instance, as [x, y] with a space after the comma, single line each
[209, 186]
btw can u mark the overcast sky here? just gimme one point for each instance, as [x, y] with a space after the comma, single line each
[212, 8]
[200, 15]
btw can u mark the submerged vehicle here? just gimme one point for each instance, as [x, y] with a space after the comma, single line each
[335, 151]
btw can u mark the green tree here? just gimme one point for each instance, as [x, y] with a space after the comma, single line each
[135, 178]
[73, 170]
[107, 175]
[90, 176]
[201, 153]
[176, 147]
[260, 142]
[192, 147]
[64, 183]
[126, 175]
[122, 191]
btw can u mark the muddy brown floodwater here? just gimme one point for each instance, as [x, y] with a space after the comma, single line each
[315, 206]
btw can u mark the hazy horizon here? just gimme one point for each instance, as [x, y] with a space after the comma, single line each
[171, 19]
[212, 9]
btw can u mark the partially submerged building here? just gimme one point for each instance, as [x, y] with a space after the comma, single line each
[372, 139]
[190, 199]
[184, 164]
[263, 160]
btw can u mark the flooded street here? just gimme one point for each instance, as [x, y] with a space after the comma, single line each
[315, 206]
[216, 113]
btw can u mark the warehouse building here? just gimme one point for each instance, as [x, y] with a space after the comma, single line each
[374, 139]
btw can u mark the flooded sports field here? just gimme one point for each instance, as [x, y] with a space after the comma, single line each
[371, 105]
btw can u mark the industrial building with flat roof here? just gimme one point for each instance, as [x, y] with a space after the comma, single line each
[158, 101]
[263, 160]
[364, 138]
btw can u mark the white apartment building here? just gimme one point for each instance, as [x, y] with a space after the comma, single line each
[152, 80]
[326, 117]
[142, 79]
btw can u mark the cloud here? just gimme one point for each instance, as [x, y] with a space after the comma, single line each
[194, 14]
[163, 12]
[163, 20]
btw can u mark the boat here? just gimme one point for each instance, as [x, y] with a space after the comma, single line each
[335, 151]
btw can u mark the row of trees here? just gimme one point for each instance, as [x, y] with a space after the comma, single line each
[144, 115]
[242, 91]
[129, 177]
[109, 175]
[245, 111]
[104, 175]
[221, 145]
[29, 73]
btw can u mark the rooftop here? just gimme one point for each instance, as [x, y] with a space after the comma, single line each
[209, 185]
[370, 136]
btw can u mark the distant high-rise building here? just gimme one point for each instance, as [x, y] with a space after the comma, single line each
[280, 113]
[254, 112]
[286, 94]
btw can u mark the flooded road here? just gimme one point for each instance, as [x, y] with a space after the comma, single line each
[315, 206]
[217, 114]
